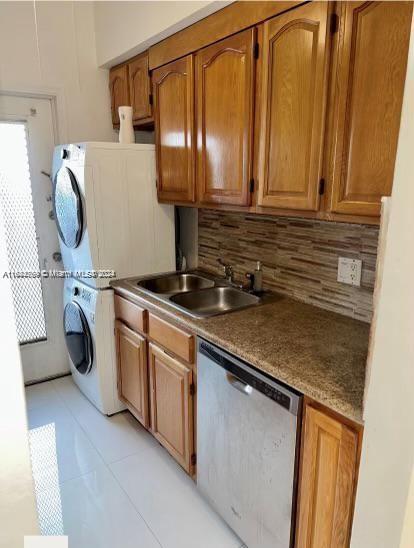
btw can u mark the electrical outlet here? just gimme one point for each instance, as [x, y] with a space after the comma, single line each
[349, 271]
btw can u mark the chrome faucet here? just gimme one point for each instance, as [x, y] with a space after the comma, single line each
[228, 271]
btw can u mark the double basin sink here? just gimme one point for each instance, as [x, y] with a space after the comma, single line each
[197, 294]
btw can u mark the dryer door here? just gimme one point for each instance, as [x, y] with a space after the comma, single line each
[67, 205]
[78, 337]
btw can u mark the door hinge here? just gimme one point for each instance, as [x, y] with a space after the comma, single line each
[150, 99]
[192, 389]
[256, 50]
[251, 185]
[193, 459]
[321, 187]
[334, 23]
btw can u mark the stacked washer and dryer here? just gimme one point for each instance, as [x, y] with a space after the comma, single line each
[108, 219]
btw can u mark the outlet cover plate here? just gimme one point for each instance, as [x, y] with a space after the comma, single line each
[349, 271]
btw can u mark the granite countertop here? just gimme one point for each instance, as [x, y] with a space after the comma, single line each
[319, 353]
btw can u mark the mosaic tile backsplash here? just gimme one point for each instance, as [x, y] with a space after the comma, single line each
[299, 256]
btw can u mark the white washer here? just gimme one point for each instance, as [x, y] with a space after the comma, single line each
[88, 321]
[107, 213]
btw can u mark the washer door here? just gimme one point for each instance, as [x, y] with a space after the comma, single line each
[78, 338]
[67, 205]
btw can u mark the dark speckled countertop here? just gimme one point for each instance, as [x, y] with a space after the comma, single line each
[319, 353]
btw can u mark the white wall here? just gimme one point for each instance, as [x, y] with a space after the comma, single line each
[50, 46]
[17, 500]
[124, 29]
[388, 447]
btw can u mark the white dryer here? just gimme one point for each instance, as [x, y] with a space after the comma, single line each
[107, 213]
[88, 321]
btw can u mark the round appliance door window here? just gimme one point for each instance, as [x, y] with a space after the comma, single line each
[67, 205]
[78, 338]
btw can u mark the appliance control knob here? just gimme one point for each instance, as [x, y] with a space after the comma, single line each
[76, 291]
[64, 154]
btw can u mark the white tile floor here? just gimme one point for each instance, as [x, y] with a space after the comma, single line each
[107, 483]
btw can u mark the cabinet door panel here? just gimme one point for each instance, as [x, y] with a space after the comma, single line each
[132, 372]
[370, 64]
[327, 483]
[171, 405]
[140, 88]
[295, 53]
[119, 90]
[225, 80]
[173, 87]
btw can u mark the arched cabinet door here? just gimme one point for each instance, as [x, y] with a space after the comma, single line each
[292, 107]
[225, 91]
[173, 88]
[369, 67]
[140, 88]
[119, 90]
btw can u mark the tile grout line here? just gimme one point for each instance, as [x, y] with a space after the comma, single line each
[108, 468]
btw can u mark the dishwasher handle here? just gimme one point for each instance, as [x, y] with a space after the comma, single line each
[239, 385]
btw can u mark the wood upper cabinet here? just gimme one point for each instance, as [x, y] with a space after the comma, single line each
[119, 90]
[173, 88]
[292, 107]
[140, 88]
[327, 482]
[172, 405]
[368, 81]
[132, 371]
[225, 91]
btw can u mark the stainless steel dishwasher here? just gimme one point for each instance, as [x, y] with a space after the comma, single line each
[246, 447]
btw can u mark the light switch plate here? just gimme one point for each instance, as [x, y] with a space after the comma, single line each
[349, 271]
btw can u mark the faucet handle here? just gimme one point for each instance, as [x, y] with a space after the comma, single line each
[227, 268]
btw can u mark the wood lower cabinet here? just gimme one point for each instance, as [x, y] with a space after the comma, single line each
[368, 83]
[173, 87]
[140, 89]
[327, 484]
[119, 90]
[225, 92]
[292, 106]
[132, 371]
[171, 383]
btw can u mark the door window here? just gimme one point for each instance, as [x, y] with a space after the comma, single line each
[19, 231]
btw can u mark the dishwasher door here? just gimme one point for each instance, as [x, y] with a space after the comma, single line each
[246, 447]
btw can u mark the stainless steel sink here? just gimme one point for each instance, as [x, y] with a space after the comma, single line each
[216, 300]
[196, 293]
[175, 283]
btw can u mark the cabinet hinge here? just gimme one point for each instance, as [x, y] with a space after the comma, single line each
[334, 23]
[251, 185]
[193, 459]
[192, 389]
[150, 99]
[256, 50]
[321, 187]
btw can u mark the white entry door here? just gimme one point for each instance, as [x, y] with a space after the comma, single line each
[27, 139]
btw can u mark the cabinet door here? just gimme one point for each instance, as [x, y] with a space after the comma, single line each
[171, 405]
[327, 482]
[140, 88]
[225, 87]
[173, 87]
[292, 106]
[132, 372]
[119, 90]
[368, 82]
